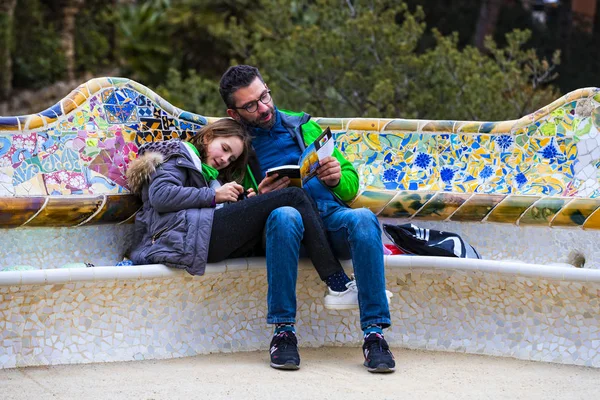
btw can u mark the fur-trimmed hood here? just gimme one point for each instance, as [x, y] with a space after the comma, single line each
[150, 156]
[139, 170]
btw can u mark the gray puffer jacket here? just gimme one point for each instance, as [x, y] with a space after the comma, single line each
[173, 227]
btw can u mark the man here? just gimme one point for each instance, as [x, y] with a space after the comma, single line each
[278, 138]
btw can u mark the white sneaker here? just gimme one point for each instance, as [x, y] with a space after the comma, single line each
[348, 299]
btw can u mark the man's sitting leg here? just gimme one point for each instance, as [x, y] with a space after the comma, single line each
[356, 233]
[284, 231]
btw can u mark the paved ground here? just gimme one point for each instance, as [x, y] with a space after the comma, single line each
[326, 373]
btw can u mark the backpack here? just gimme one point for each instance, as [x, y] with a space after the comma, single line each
[428, 242]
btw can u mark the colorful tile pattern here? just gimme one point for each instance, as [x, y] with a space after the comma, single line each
[551, 156]
[458, 170]
[82, 146]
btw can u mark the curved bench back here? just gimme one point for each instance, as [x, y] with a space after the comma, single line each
[539, 170]
[65, 166]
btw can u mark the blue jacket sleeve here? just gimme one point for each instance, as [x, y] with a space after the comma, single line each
[168, 194]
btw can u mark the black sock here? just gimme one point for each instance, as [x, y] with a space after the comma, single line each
[337, 281]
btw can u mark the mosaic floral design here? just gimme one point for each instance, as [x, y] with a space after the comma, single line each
[86, 151]
[549, 155]
[83, 144]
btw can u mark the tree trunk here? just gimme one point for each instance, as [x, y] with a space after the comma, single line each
[7, 10]
[70, 8]
[486, 23]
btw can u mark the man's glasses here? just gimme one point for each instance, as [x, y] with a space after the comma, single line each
[251, 107]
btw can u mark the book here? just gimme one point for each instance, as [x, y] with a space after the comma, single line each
[309, 160]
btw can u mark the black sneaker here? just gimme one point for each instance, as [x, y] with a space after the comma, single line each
[378, 357]
[284, 351]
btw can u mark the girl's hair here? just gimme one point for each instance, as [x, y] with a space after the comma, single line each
[225, 127]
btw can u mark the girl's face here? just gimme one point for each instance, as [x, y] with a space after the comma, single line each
[223, 150]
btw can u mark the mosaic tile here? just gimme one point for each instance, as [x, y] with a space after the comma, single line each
[468, 127]
[477, 207]
[85, 150]
[401, 125]
[15, 211]
[406, 204]
[576, 212]
[543, 211]
[93, 132]
[483, 313]
[438, 126]
[596, 117]
[46, 248]
[116, 209]
[63, 212]
[511, 208]
[593, 221]
[374, 201]
[442, 206]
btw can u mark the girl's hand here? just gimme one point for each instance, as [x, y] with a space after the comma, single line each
[228, 192]
[251, 193]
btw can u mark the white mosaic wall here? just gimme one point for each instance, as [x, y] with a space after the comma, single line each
[106, 244]
[56, 247]
[162, 318]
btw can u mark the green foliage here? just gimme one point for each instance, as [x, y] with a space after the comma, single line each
[466, 84]
[93, 33]
[197, 28]
[38, 59]
[193, 93]
[344, 58]
[6, 24]
[6, 46]
[361, 58]
[143, 40]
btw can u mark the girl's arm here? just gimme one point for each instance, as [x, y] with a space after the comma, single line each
[167, 193]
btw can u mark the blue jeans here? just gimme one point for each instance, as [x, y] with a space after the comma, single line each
[353, 233]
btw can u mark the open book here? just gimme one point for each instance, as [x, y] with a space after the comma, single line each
[309, 160]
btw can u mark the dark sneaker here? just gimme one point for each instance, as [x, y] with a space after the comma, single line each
[284, 351]
[378, 357]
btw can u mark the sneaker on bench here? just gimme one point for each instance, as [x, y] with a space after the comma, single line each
[348, 299]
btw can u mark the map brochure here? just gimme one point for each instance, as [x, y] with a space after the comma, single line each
[309, 160]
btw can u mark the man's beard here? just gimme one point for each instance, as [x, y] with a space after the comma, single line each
[262, 125]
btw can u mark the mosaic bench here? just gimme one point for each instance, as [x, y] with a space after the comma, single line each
[525, 190]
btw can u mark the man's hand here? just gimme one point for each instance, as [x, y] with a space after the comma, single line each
[251, 193]
[228, 192]
[271, 183]
[330, 171]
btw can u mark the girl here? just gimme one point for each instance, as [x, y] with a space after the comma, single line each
[189, 218]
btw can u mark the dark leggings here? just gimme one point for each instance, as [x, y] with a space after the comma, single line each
[238, 227]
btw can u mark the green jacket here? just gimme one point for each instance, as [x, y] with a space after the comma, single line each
[306, 131]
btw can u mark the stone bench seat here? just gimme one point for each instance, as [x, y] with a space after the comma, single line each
[401, 262]
[100, 314]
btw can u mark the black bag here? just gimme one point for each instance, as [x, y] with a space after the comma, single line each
[428, 242]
